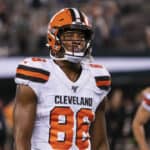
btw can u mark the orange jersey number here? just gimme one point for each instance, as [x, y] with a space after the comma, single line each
[62, 125]
[84, 117]
[38, 59]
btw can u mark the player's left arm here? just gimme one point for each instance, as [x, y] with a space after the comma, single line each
[98, 133]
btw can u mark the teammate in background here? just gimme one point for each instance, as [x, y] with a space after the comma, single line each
[60, 101]
[141, 118]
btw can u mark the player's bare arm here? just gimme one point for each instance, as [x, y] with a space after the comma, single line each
[141, 118]
[99, 140]
[24, 115]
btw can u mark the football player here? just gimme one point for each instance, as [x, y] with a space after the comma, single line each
[141, 118]
[60, 101]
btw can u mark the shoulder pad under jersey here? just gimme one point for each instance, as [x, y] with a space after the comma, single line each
[32, 69]
[101, 75]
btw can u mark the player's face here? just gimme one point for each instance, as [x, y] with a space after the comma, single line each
[73, 41]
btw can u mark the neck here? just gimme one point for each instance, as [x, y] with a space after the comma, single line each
[72, 70]
[68, 65]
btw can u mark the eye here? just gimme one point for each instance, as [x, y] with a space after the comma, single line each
[73, 35]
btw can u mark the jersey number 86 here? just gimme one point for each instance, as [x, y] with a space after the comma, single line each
[62, 128]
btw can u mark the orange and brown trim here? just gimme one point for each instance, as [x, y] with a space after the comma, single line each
[32, 74]
[76, 15]
[103, 82]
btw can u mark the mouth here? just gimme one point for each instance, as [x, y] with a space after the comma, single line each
[76, 49]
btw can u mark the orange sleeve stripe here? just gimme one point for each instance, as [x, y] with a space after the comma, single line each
[32, 74]
[103, 83]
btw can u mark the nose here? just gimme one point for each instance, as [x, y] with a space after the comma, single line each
[75, 36]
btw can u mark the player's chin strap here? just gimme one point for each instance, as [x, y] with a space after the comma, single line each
[73, 59]
[87, 59]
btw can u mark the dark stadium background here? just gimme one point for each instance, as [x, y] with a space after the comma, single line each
[121, 42]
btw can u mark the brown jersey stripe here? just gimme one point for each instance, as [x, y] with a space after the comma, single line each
[30, 78]
[102, 78]
[32, 74]
[104, 87]
[103, 82]
[28, 68]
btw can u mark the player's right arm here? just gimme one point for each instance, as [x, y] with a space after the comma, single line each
[24, 116]
[141, 118]
[31, 73]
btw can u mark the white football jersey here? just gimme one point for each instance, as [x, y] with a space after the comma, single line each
[65, 109]
[146, 101]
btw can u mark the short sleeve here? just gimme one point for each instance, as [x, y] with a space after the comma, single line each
[102, 78]
[32, 73]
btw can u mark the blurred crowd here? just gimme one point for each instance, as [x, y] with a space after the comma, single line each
[121, 26]
[120, 110]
